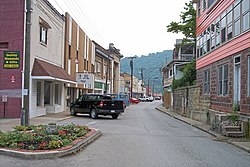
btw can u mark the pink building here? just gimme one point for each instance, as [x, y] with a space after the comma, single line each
[11, 57]
[223, 53]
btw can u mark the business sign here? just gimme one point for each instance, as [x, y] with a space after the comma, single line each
[86, 79]
[11, 59]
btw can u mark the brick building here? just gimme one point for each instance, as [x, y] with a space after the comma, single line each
[11, 43]
[223, 53]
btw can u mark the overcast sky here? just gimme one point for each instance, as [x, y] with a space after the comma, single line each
[136, 27]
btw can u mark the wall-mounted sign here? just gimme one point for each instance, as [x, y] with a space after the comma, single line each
[12, 79]
[11, 59]
[85, 78]
[4, 98]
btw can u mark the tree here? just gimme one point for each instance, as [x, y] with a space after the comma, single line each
[186, 25]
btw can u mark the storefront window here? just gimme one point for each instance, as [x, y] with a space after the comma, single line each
[46, 93]
[57, 95]
[38, 94]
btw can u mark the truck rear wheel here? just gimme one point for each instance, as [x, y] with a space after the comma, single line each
[115, 116]
[72, 111]
[93, 113]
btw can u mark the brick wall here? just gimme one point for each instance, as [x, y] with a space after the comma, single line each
[225, 103]
[11, 32]
[245, 99]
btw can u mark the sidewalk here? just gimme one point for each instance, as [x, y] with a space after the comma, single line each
[241, 143]
[7, 124]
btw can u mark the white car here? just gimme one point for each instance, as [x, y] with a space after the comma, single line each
[146, 98]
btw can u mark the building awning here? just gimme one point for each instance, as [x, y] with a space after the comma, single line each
[47, 71]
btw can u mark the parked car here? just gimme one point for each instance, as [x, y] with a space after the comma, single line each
[157, 98]
[146, 98]
[123, 97]
[97, 104]
[150, 98]
[134, 100]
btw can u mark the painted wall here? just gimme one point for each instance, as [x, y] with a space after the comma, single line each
[52, 53]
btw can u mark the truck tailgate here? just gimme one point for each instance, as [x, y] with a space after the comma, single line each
[113, 105]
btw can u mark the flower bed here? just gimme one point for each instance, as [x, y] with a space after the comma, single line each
[41, 137]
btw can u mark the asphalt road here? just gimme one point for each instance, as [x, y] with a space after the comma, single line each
[144, 137]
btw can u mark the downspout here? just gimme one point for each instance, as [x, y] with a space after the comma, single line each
[23, 65]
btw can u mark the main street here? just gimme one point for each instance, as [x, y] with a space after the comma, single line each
[144, 137]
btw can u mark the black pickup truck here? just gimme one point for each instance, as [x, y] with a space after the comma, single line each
[97, 104]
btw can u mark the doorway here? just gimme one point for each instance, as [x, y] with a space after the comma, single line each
[237, 80]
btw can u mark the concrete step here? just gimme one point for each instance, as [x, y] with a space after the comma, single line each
[234, 134]
[232, 128]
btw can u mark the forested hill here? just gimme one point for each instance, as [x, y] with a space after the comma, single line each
[151, 64]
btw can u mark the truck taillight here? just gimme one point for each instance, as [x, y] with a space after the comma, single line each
[101, 104]
[123, 104]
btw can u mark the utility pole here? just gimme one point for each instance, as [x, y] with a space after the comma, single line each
[142, 78]
[148, 87]
[106, 81]
[25, 110]
[132, 68]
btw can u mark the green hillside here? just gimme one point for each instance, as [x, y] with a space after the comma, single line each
[152, 64]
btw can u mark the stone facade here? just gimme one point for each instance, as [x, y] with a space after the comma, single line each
[189, 102]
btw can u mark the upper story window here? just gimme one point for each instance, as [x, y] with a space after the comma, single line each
[245, 15]
[199, 7]
[98, 67]
[204, 4]
[217, 29]
[236, 18]
[229, 23]
[211, 3]
[223, 27]
[234, 21]
[44, 26]
[4, 45]
[43, 35]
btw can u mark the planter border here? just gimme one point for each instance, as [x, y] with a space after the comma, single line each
[78, 144]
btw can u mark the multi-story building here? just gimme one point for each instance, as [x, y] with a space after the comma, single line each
[126, 82]
[103, 70]
[11, 48]
[122, 84]
[223, 53]
[115, 71]
[46, 61]
[79, 60]
[182, 54]
[107, 69]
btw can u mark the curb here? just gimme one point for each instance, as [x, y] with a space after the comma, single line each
[52, 154]
[240, 147]
[196, 126]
